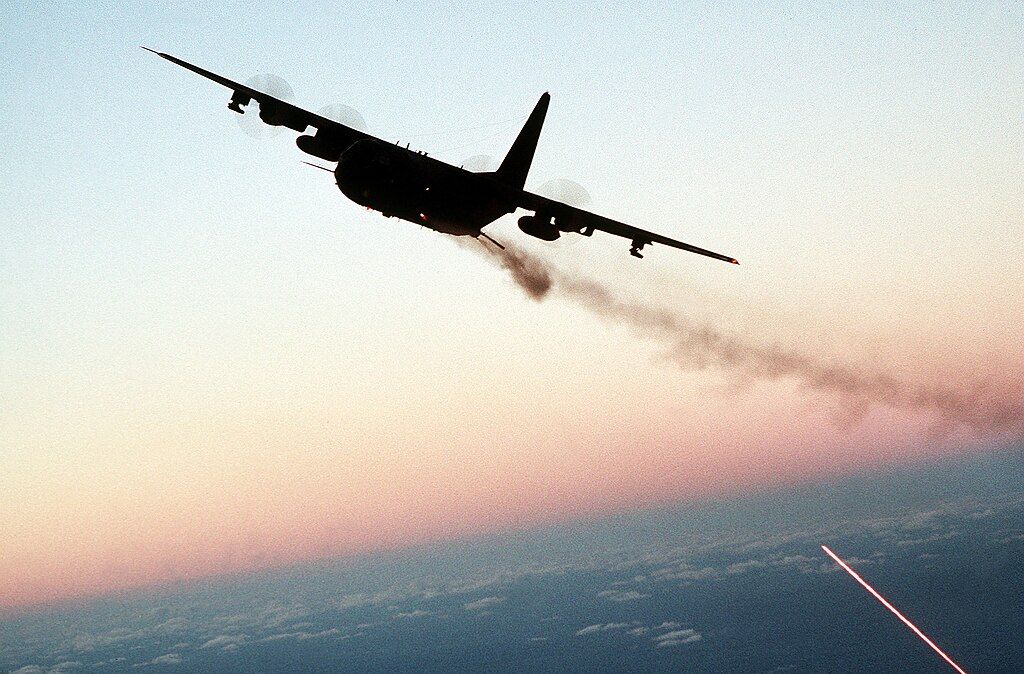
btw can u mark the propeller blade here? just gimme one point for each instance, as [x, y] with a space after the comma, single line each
[270, 84]
[480, 163]
[344, 114]
[566, 191]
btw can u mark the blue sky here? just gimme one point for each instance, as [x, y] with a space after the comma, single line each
[190, 314]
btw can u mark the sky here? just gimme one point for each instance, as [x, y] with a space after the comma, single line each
[210, 361]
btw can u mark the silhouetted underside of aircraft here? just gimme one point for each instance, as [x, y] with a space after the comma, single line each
[410, 185]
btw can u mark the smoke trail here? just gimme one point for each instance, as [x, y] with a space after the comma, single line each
[697, 346]
[529, 273]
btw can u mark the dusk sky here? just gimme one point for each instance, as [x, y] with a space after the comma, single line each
[211, 361]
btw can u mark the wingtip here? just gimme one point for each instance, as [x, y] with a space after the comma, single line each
[142, 46]
[734, 261]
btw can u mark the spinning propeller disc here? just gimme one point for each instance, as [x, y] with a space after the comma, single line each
[270, 84]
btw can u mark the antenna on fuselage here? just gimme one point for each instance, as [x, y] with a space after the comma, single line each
[322, 168]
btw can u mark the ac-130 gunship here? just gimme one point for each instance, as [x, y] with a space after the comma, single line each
[410, 185]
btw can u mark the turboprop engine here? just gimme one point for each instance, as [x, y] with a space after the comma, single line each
[539, 228]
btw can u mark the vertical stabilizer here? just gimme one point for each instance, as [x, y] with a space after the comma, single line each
[517, 162]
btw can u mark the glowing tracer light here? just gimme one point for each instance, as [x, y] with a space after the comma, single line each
[892, 608]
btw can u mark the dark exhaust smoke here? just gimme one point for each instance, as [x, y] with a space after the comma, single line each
[980, 407]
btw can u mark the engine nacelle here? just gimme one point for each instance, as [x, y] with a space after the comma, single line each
[319, 147]
[536, 227]
[276, 114]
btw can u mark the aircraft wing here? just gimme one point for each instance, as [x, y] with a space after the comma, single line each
[571, 219]
[331, 136]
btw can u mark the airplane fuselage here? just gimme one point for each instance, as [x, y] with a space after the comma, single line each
[412, 186]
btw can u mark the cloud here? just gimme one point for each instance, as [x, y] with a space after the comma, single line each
[635, 629]
[743, 567]
[686, 572]
[83, 643]
[622, 596]
[676, 637]
[56, 669]
[981, 514]
[928, 539]
[802, 563]
[277, 637]
[301, 636]
[110, 662]
[606, 627]
[922, 519]
[362, 599]
[226, 641]
[176, 624]
[167, 659]
[648, 563]
[86, 642]
[486, 602]
[418, 613]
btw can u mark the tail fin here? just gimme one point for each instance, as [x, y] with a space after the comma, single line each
[517, 162]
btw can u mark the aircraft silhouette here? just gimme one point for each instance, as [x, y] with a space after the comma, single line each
[410, 185]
